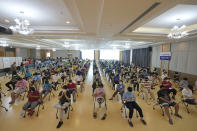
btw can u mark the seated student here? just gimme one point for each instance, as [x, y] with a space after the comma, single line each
[164, 75]
[36, 78]
[33, 100]
[130, 103]
[46, 89]
[166, 83]
[64, 101]
[99, 93]
[166, 101]
[135, 84]
[147, 89]
[72, 89]
[79, 78]
[20, 88]
[183, 83]
[176, 77]
[12, 81]
[116, 80]
[187, 96]
[120, 89]
[27, 75]
[55, 80]
[95, 84]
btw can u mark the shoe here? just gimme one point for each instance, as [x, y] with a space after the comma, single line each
[94, 115]
[130, 123]
[179, 116]
[104, 117]
[110, 98]
[143, 121]
[11, 102]
[170, 121]
[59, 124]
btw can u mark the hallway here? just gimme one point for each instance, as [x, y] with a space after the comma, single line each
[81, 118]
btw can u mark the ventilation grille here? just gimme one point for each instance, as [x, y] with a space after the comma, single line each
[141, 16]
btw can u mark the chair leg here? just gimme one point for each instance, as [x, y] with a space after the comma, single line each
[57, 114]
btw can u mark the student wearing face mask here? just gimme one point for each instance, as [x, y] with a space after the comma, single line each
[34, 98]
[166, 83]
[64, 102]
[120, 89]
[130, 103]
[72, 88]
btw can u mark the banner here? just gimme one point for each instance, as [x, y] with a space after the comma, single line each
[165, 55]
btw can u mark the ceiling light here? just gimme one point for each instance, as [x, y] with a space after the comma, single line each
[53, 49]
[177, 32]
[22, 26]
[38, 47]
[67, 22]
[7, 21]
[3, 44]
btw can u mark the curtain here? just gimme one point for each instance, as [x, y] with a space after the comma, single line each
[142, 57]
[126, 57]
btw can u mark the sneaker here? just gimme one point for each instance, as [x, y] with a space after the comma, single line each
[143, 121]
[94, 115]
[59, 124]
[170, 121]
[104, 117]
[179, 116]
[110, 98]
[130, 123]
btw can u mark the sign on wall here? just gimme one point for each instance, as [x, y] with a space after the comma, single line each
[165, 55]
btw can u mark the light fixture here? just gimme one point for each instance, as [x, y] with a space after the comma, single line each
[22, 26]
[67, 22]
[4, 43]
[7, 21]
[38, 47]
[177, 32]
[66, 44]
[53, 49]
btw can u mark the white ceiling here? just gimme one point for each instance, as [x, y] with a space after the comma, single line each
[187, 15]
[95, 24]
[38, 12]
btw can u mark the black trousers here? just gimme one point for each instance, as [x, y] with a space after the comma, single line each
[116, 92]
[11, 83]
[136, 86]
[131, 106]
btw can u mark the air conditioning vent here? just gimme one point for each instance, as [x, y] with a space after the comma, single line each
[141, 16]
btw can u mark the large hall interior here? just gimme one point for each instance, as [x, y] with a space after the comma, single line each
[98, 65]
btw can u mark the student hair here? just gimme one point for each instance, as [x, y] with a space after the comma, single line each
[70, 81]
[161, 86]
[185, 78]
[65, 87]
[130, 89]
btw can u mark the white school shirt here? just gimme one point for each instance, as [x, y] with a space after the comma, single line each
[187, 93]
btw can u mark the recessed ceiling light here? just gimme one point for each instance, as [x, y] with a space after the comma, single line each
[178, 19]
[7, 21]
[67, 22]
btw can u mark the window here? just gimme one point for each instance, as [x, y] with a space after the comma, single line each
[110, 54]
[87, 54]
[48, 54]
